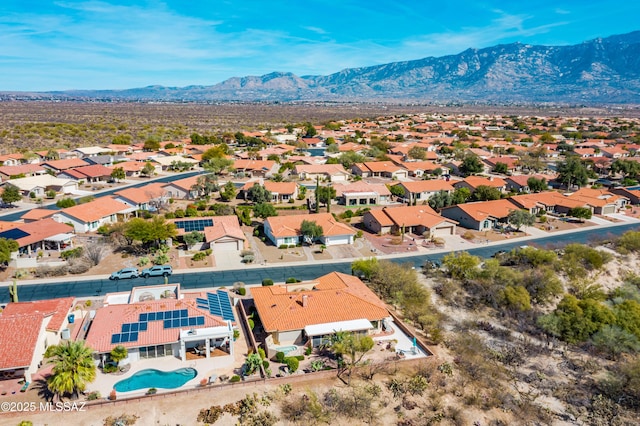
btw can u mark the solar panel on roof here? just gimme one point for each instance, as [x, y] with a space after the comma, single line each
[14, 234]
[126, 328]
[184, 322]
[151, 316]
[143, 326]
[124, 338]
[167, 323]
[176, 323]
[134, 326]
[192, 321]
[115, 338]
[143, 317]
[184, 313]
[199, 320]
[133, 337]
[194, 225]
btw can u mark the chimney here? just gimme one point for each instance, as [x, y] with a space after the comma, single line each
[305, 299]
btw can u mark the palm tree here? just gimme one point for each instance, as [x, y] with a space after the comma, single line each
[118, 354]
[73, 368]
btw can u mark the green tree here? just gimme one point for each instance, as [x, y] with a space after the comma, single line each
[519, 218]
[217, 165]
[151, 145]
[365, 268]
[259, 194]
[148, 170]
[228, 191]
[516, 298]
[193, 238]
[572, 172]
[349, 158]
[580, 213]
[486, 193]
[461, 265]
[11, 194]
[309, 130]
[537, 185]
[325, 195]
[252, 363]
[73, 368]
[417, 153]
[575, 320]
[65, 202]
[441, 199]
[118, 353]
[352, 348]
[206, 184]
[461, 195]
[615, 341]
[118, 174]
[501, 168]
[6, 248]
[310, 230]
[264, 210]
[396, 190]
[471, 165]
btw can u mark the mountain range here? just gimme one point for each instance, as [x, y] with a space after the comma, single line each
[599, 71]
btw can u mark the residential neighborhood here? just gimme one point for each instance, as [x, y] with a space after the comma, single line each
[346, 190]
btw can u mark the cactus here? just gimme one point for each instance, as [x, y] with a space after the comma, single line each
[13, 292]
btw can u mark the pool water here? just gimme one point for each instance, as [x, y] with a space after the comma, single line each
[151, 378]
[287, 349]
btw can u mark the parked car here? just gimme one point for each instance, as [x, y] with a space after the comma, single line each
[125, 273]
[157, 271]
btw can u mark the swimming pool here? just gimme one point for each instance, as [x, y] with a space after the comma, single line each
[152, 378]
[287, 349]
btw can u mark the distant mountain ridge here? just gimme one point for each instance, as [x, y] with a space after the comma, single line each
[603, 70]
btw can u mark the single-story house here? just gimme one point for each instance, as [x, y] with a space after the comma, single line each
[281, 192]
[148, 197]
[311, 311]
[362, 193]
[324, 172]
[385, 169]
[155, 322]
[422, 190]
[88, 217]
[221, 233]
[22, 170]
[473, 182]
[285, 230]
[39, 185]
[91, 173]
[480, 216]
[61, 165]
[184, 189]
[256, 168]
[418, 220]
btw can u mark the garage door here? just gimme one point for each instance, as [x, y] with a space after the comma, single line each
[225, 246]
[443, 231]
[608, 209]
[337, 240]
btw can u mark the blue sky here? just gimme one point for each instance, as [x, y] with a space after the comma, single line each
[66, 44]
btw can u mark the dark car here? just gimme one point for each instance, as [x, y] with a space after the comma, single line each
[125, 273]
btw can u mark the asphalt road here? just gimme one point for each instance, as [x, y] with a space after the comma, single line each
[255, 275]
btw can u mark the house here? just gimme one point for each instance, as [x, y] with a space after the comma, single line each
[168, 162]
[12, 159]
[184, 189]
[385, 169]
[281, 192]
[420, 168]
[285, 230]
[44, 234]
[480, 216]
[90, 151]
[631, 193]
[520, 183]
[418, 220]
[107, 160]
[256, 168]
[473, 182]
[88, 217]
[57, 166]
[221, 233]
[324, 172]
[91, 173]
[311, 311]
[510, 162]
[21, 357]
[34, 215]
[22, 170]
[130, 168]
[422, 190]
[362, 193]
[39, 185]
[157, 322]
[148, 197]
[600, 200]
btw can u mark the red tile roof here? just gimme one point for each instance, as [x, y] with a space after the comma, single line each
[58, 309]
[96, 209]
[224, 226]
[286, 226]
[68, 163]
[334, 297]
[109, 320]
[41, 230]
[19, 337]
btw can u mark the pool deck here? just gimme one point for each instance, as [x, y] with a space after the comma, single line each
[218, 365]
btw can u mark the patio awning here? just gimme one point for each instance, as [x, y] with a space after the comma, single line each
[59, 238]
[332, 327]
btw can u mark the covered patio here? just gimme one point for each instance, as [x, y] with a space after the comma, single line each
[206, 342]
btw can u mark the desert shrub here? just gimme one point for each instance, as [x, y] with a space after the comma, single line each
[300, 357]
[461, 265]
[121, 420]
[48, 271]
[280, 357]
[242, 291]
[265, 364]
[199, 256]
[143, 261]
[161, 259]
[234, 379]
[79, 266]
[72, 253]
[292, 364]
[109, 368]
[305, 409]
[578, 259]
[468, 236]
[267, 282]
[210, 415]
[261, 353]
[93, 396]
[629, 241]
[614, 341]
[292, 280]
